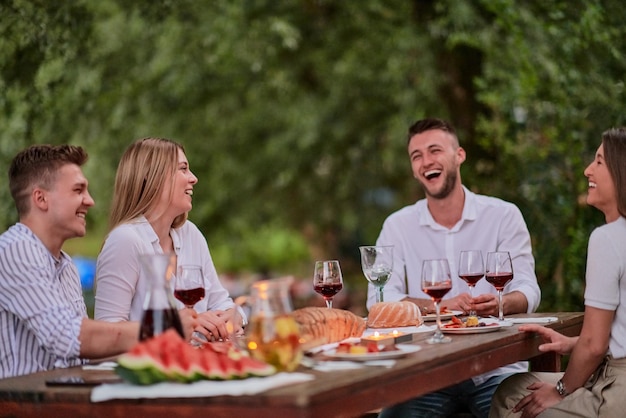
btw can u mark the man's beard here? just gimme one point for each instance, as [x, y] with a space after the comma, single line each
[447, 188]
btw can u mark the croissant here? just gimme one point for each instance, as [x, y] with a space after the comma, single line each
[322, 325]
[394, 314]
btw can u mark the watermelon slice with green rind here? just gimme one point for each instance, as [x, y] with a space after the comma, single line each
[167, 357]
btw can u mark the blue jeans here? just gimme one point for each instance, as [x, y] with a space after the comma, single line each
[460, 397]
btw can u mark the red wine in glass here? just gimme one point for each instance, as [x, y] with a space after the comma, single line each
[437, 292]
[189, 285]
[499, 280]
[471, 270]
[499, 272]
[189, 297]
[328, 290]
[436, 282]
[327, 280]
[471, 279]
[157, 321]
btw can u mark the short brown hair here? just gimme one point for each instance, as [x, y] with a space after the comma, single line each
[37, 166]
[614, 141]
[429, 124]
[144, 169]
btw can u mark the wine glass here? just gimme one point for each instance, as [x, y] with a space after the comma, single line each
[436, 282]
[327, 280]
[471, 270]
[189, 285]
[377, 265]
[499, 272]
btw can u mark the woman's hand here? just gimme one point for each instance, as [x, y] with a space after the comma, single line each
[553, 341]
[544, 396]
[212, 324]
[189, 321]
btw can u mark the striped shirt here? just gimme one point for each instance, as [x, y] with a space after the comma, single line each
[41, 306]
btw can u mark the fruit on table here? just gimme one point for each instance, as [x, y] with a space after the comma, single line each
[167, 357]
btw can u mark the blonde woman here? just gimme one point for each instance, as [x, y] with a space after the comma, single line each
[151, 199]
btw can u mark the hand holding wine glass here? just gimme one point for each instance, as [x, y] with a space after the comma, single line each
[471, 270]
[377, 265]
[436, 282]
[189, 285]
[499, 272]
[327, 280]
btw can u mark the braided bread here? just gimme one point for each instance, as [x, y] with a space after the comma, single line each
[394, 314]
[322, 325]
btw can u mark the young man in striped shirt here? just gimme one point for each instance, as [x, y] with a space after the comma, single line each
[43, 319]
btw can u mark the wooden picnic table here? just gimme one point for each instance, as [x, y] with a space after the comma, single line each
[346, 393]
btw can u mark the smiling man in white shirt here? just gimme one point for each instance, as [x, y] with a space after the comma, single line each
[449, 220]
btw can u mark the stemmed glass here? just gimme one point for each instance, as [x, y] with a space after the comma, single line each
[377, 265]
[327, 280]
[189, 285]
[499, 272]
[471, 270]
[436, 282]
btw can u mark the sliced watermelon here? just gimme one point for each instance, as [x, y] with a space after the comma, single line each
[167, 357]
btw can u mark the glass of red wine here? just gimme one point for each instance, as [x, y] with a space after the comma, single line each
[499, 272]
[327, 280]
[436, 282]
[471, 270]
[189, 285]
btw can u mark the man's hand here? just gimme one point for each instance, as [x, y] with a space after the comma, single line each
[486, 304]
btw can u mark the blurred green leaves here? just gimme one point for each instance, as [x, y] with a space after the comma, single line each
[294, 113]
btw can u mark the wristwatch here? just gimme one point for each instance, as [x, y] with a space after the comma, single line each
[560, 387]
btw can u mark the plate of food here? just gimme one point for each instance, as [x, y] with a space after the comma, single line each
[471, 325]
[387, 352]
[444, 312]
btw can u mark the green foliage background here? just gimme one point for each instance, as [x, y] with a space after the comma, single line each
[293, 113]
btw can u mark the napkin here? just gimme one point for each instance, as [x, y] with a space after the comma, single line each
[107, 365]
[332, 366]
[202, 388]
[530, 320]
[404, 330]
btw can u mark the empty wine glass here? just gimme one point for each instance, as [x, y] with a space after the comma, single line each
[327, 280]
[436, 282]
[499, 272]
[377, 265]
[471, 270]
[189, 285]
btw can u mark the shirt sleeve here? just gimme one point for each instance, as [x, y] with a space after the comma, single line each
[217, 297]
[602, 289]
[117, 275]
[32, 291]
[515, 238]
[395, 289]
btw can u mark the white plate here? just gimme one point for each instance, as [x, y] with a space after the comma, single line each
[402, 350]
[472, 330]
[433, 317]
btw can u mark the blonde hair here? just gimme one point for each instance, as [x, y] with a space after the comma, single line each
[146, 167]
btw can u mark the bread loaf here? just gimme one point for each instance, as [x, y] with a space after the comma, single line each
[322, 325]
[394, 314]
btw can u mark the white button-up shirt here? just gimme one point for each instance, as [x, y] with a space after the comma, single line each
[487, 224]
[120, 293]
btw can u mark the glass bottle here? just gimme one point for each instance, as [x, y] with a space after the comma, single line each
[273, 335]
[159, 308]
